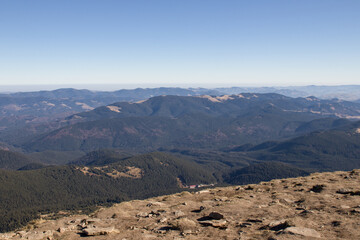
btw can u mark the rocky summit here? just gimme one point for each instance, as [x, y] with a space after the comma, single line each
[320, 206]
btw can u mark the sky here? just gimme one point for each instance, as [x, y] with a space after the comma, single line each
[207, 43]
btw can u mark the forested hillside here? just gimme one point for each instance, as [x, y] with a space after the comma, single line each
[26, 194]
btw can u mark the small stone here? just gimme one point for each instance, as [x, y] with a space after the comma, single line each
[336, 223]
[203, 191]
[317, 188]
[157, 204]
[215, 223]
[97, 231]
[61, 230]
[355, 211]
[344, 191]
[198, 210]
[355, 193]
[279, 225]
[184, 225]
[216, 216]
[142, 214]
[243, 225]
[254, 220]
[179, 213]
[162, 230]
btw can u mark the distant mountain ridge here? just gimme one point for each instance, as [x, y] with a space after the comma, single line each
[225, 105]
[28, 112]
[31, 112]
[343, 92]
[201, 121]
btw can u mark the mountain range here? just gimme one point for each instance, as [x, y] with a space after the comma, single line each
[164, 144]
[33, 112]
[201, 122]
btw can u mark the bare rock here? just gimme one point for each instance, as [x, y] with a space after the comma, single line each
[302, 231]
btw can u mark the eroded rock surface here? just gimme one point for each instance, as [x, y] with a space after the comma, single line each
[320, 206]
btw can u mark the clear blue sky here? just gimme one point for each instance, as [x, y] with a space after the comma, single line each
[182, 42]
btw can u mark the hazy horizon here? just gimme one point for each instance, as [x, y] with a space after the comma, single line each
[115, 87]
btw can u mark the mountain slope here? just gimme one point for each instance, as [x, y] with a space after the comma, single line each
[336, 149]
[320, 206]
[13, 160]
[101, 157]
[266, 171]
[149, 133]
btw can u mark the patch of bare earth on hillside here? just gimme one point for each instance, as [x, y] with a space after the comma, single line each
[128, 172]
[320, 206]
[87, 171]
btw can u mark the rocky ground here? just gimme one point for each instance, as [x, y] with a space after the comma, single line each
[320, 206]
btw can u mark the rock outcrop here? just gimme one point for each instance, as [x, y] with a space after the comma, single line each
[320, 206]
